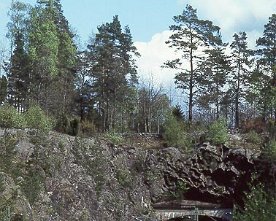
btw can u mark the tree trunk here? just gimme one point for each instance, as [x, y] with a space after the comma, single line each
[191, 85]
[237, 111]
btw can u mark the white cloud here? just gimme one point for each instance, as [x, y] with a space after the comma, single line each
[153, 55]
[231, 15]
[235, 15]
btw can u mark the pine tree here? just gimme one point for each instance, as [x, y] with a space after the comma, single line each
[3, 89]
[214, 71]
[114, 72]
[266, 67]
[240, 57]
[18, 67]
[63, 87]
[190, 35]
[18, 75]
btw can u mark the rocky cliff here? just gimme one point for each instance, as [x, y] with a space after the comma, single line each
[59, 177]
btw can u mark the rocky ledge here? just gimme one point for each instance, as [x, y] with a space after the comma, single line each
[59, 177]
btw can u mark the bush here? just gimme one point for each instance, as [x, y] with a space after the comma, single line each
[88, 127]
[63, 124]
[217, 132]
[74, 127]
[124, 177]
[37, 119]
[10, 118]
[258, 206]
[175, 134]
[253, 137]
[114, 138]
[270, 151]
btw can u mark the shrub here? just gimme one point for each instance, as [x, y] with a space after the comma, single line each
[37, 119]
[63, 124]
[74, 127]
[217, 132]
[114, 138]
[253, 137]
[258, 206]
[175, 134]
[10, 118]
[180, 189]
[270, 151]
[88, 127]
[124, 177]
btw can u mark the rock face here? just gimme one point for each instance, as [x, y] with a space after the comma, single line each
[211, 174]
[63, 178]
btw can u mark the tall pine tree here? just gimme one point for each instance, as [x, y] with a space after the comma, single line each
[241, 62]
[266, 67]
[113, 72]
[190, 35]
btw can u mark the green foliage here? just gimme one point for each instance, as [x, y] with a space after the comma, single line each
[2, 185]
[175, 134]
[37, 119]
[180, 189]
[32, 184]
[114, 138]
[88, 127]
[124, 177]
[189, 34]
[270, 151]
[94, 162]
[113, 51]
[217, 132]
[5, 213]
[259, 206]
[74, 127]
[253, 137]
[43, 45]
[10, 118]
[3, 89]
[178, 113]
[240, 57]
[63, 124]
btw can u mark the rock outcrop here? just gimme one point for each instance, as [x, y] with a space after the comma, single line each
[59, 177]
[211, 174]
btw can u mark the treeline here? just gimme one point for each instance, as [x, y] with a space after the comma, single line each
[95, 89]
[238, 84]
[98, 87]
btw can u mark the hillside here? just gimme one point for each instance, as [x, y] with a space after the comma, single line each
[60, 177]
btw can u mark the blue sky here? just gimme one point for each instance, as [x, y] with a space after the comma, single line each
[144, 17]
[149, 22]
[148, 17]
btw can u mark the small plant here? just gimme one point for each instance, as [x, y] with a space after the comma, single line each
[88, 127]
[5, 213]
[74, 127]
[2, 185]
[175, 134]
[181, 189]
[123, 177]
[258, 206]
[32, 184]
[270, 151]
[217, 132]
[63, 124]
[10, 118]
[114, 138]
[253, 137]
[37, 119]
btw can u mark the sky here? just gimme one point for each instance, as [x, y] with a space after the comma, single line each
[149, 22]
